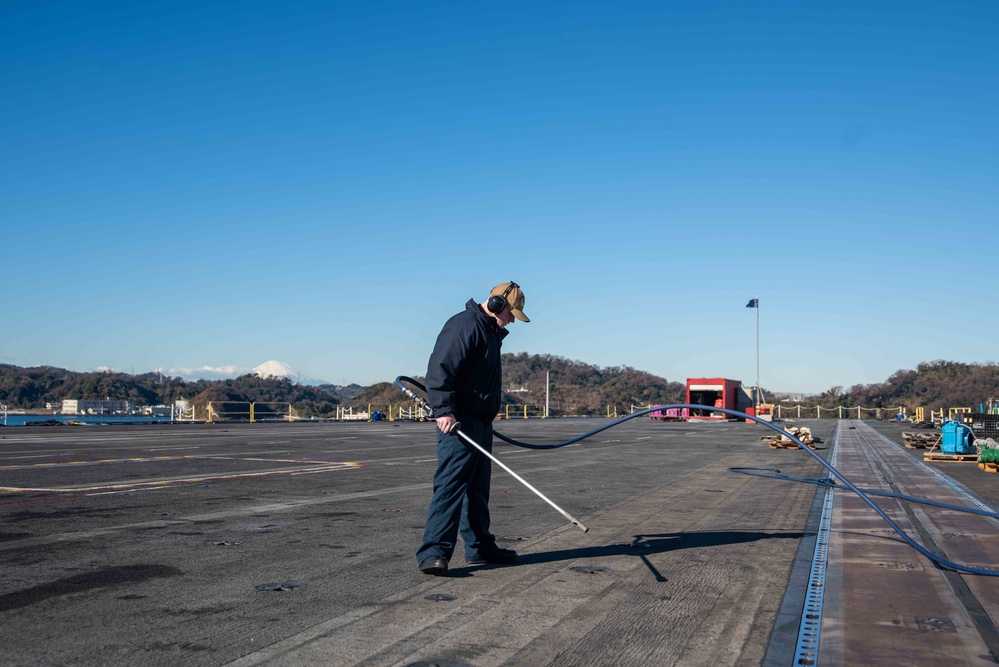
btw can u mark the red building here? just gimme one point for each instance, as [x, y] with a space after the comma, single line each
[714, 392]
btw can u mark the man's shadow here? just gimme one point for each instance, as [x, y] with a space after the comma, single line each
[642, 546]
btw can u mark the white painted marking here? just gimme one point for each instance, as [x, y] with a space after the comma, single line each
[318, 470]
[128, 491]
[39, 456]
[167, 449]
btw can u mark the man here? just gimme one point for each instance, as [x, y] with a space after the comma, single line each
[464, 385]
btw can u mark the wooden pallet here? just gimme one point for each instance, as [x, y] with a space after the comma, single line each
[784, 444]
[989, 467]
[780, 441]
[970, 458]
[919, 440]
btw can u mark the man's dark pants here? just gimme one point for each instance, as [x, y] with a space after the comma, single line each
[461, 495]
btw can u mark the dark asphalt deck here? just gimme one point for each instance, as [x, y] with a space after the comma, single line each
[147, 545]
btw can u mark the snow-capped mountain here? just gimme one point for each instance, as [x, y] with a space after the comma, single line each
[268, 369]
[279, 369]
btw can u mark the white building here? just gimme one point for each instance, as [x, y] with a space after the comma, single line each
[74, 406]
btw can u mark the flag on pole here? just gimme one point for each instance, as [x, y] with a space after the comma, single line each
[753, 303]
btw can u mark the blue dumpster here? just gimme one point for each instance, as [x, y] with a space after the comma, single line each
[956, 439]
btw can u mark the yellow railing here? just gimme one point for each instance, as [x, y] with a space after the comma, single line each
[523, 412]
[957, 411]
[240, 410]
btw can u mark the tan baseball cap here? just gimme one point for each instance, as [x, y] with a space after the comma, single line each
[514, 296]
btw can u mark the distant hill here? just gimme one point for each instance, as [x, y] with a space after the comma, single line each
[32, 388]
[342, 392]
[575, 387]
[932, 385]
[307, 401]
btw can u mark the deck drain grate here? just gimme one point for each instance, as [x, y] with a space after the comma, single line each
[806, 648]
[586, 569]
[440, 597]
[934, 624]
[280, 587]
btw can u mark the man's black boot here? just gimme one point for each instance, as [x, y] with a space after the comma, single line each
[434, 565]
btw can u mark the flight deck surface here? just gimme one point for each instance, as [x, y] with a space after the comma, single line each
[293, 544]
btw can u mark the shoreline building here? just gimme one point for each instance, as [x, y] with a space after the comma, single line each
[73, 406]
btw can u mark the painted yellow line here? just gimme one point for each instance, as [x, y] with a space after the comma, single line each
[239, 458]
[156, 459]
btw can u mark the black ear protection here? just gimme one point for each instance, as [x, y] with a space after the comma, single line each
[497, 302]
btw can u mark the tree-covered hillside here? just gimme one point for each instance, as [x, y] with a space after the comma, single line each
[575, 388]
[932, 385]
[32, 388]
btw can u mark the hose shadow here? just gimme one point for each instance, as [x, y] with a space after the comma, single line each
[643, 546]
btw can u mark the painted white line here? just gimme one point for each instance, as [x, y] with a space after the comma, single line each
[127, 491]
[39, 456]
[167, 449]
[44, 451]
[225, 454]
[317, 470]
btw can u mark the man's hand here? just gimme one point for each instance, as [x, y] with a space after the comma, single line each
[446, 422]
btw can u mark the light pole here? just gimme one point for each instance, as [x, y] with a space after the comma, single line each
[757, 406]
[548, 378]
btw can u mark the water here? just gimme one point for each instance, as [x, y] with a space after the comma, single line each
[20, 420]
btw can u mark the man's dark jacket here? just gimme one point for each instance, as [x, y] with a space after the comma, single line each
[464, 376]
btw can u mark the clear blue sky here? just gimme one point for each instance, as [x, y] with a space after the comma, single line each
[188, 185]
